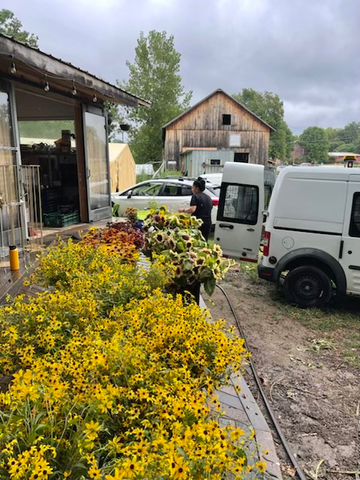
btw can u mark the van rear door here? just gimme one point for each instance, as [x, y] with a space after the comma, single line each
[349, 256]
[240, 213]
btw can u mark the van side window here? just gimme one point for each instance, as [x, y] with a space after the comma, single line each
[239, 203]
[354, 230]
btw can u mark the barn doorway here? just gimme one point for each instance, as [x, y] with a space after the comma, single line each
[241, 157]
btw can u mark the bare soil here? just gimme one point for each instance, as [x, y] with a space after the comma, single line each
[309, 363]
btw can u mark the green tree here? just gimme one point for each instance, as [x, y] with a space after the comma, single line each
[316, 144]
[45, 129]
[154, 76]
[345, 139]
[270, 108]
[350, 133]
[346, 147]
[11, 26]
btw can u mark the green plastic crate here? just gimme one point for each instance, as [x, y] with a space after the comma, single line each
[58, 219]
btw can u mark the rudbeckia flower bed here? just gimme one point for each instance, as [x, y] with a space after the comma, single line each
[110, 378]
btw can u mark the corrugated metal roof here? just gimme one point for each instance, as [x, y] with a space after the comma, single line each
[341, 154]
[140, 100]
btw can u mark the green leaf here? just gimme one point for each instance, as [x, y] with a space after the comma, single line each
[209, 286]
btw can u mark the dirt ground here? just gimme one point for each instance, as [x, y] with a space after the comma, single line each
[309, 363]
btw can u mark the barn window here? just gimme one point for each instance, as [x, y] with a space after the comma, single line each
[234, 140]
[215, 161]
[226, 119]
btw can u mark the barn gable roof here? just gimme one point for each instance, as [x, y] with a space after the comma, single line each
[219, 90]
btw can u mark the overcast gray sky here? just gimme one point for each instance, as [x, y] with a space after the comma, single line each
[306, 51]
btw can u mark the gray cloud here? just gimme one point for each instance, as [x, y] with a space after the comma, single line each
[306, 51]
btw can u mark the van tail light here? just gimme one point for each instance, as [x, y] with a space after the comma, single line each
[262, 234]
[266, 243]
[215, 202]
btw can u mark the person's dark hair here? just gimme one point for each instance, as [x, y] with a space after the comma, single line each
[200, 184]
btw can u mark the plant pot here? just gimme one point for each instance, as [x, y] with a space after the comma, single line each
[192, 292]
[139, 225]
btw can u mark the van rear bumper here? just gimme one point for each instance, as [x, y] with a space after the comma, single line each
[266, 273]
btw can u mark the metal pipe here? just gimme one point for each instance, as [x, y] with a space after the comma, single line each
[40, 205]
[263, 395]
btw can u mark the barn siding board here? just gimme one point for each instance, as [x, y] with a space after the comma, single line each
[202, 127]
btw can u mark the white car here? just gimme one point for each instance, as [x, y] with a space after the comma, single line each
[171, 192]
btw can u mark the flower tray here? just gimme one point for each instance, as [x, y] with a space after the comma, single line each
[59, 219]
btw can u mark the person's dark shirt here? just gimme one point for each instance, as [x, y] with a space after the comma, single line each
[203, 205]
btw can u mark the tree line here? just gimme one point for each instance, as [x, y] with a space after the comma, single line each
[317, 142]
[155, 76]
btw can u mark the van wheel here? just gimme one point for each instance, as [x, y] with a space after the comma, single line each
[307, 287]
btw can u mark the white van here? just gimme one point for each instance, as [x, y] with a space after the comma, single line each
[311, 243]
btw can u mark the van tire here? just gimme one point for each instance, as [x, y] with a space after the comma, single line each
[307, 287]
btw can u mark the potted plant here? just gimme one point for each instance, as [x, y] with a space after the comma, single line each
[177, 238]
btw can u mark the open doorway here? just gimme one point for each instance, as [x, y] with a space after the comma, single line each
[47, 139]
[241, 157]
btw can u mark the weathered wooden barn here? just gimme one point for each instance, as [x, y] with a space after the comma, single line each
[218, 122]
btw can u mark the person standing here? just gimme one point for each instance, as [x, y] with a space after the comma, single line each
[200, 206]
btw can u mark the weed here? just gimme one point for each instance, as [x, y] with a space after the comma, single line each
[322, 344]
[250, 271]
[351, 357]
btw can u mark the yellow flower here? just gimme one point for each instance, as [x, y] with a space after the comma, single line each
[261, 466]
[131, 468]
[118, 475]
[91, 430]
[94, 472]
[115, 445]
[179, 469]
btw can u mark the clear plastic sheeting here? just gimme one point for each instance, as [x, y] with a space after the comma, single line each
[20, 208]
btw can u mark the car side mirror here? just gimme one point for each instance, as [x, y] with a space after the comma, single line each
[129, 194]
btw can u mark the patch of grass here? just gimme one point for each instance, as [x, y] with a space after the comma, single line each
[142, 177]
[306, 317]
[250, 271]
[170, 173]
[342, 325]
[353, 340]
[351, 357]
[211, 239]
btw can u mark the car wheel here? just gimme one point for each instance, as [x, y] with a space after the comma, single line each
[307, 287]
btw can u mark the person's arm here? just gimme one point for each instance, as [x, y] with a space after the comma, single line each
[192, 207]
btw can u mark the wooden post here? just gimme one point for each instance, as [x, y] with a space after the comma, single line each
[80, 157]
